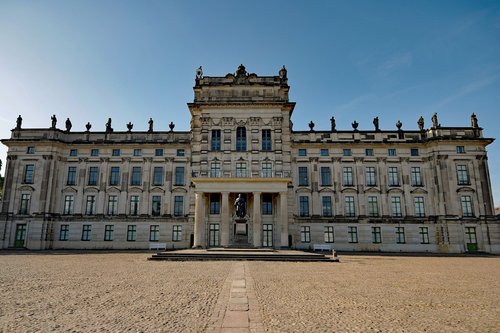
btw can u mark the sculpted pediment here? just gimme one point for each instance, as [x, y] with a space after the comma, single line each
[69, 189]
[157, 189]
[136, 189]
[26, 188]
[91, 189]
[418, 190]
[179, 190]
[303, 190]
[349, 190]
[326, 190]
[394, 190]
[465, 189]
[372, 190]
[114, 189]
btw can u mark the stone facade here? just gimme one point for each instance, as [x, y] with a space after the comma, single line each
[424, 190]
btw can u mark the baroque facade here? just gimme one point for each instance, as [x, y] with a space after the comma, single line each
[243, 177]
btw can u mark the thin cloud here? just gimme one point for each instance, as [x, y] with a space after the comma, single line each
[395, 62]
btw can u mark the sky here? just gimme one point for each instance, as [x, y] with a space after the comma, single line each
[132, 60]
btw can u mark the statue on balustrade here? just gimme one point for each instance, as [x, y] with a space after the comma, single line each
[240, 206]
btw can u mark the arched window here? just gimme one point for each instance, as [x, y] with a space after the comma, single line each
[241, 139]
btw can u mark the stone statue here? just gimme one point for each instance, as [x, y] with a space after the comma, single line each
[435, 122]
[171, 126]
[375, 123]
[19, 122]
[311, 125]
[199, 73]
[150, 123]
[333, 124]
[283, 73]
[420, 123]
[473, 120]
[241, 72]
[88, 126]
[399, 124]
[108, 126]
[240, 206]
[130, 126]
[68, 125]
[355, 125]
[54, 121]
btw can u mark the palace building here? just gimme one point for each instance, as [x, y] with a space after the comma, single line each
[243, 177]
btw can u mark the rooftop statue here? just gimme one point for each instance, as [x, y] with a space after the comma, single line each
[355, 125]
[171, 126]
[108, 126]
[435, 122]
[88, 126]
[283, 73]
[54, 121]
[399, 124]
[199, 73]
[333, 124]
[473, 120]
[68, 125]
[420, 123]
[375, 123]
[311, 125]
[19, 122]
[241, 72]
[150, 123]
[130, 126]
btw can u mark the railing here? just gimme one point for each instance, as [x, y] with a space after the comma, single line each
[242, 174]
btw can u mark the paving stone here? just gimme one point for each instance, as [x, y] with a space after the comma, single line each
[236, 295]
[238, 300]
[235, 319]
[237, 307]
[238, 290]
[235, 330]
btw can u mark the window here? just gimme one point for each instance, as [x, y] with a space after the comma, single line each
[266, 140]
[93, 175]
[372, 206]
[470, 233]
[178, 205]
[214, 234]
[324, 152]
[353, 234]
[179, 176]
[347, 176]
[90, 205]
[114, 176]
[176, 233]
[116, 152]
[68, 204]
[416, 177]
[108, 232]
[241, 169]
[305, 234]
[303, 206]
[156, 205]
[134, 205]
[303, 176]
[267, 169]
[216, 140]
[419, 207]
[214, 203]
[349, 206]
[112, 205]
[396, 206]
[414, 152]
[376, 235]
[29, 171]
[328, 234]
[158, 176]
[154, 233]
[136, 176]
[71, 176]
[460, 150]
[347, 152]
[326, 202]
[400, 235]
[267, 204]
[368, 152]
[241, 139]
[302, 152]
[86, 232]
[24, 209]
[137, 152]
[94, 152]
[467, 206]
[326, 176]
[73, 152]
[424, 235]
[215, 169]
[267, 235]
[64, 232]
[159, 152]
[180, 152]
[371, 176]
[393, 176]
[391, 152]
[131, 233]
[462, 174]
[30, 150]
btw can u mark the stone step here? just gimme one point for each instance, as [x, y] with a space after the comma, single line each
[242, 255]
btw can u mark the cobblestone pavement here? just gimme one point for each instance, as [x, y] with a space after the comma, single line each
[123, 292]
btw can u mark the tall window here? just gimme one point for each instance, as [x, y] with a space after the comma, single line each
[73, 152]
[371, 176]
[419, 207]
[215, 169]
[460, 149]
[303, 205]
[353, 234]
[86, 232]
[180, 152]
[216, 140]
[94, 152]
[29, 171]
[416, 176]
[241, 139]
[241, 169]
[424, 235]
[302, 152]
[179, 176]
[112, 205]
[347, 176]
[30, 150]
[470, 233]
[178, 205]
[116, 152]
[266, 140]
[391, 152]
[137, 152]
[462, 174]
[400, 235]
[131, 233]
[324, 152]
[414, 152]
[71, 176]
[346, 152]
[327, 205]
[267, 204]
[214, 203]
[90, 205]
[156, 205]
[305, 234]
[154, 233]
[108, 232]
[349, 206]
[68, 204]
[24, 209]
[303, 176]
[159, 152]
[372, 206]
[328, 234]
[158, 176]
[176, 233]
[134, 205]
[136, 176]
[93, 175]
[326, 176]
[114, 176]
[369, 152]
[267, 169]
[393, 176]
[466, 201]
[376, 235]
[396, 206]
[64, 232]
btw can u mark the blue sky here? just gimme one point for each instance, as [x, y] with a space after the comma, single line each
[131, 60]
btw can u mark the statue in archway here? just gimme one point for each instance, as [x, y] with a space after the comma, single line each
[240, 206]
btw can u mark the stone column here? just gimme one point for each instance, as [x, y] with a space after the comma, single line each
[224, 219]
[257, 220]
[198, 220]
[284, 219]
